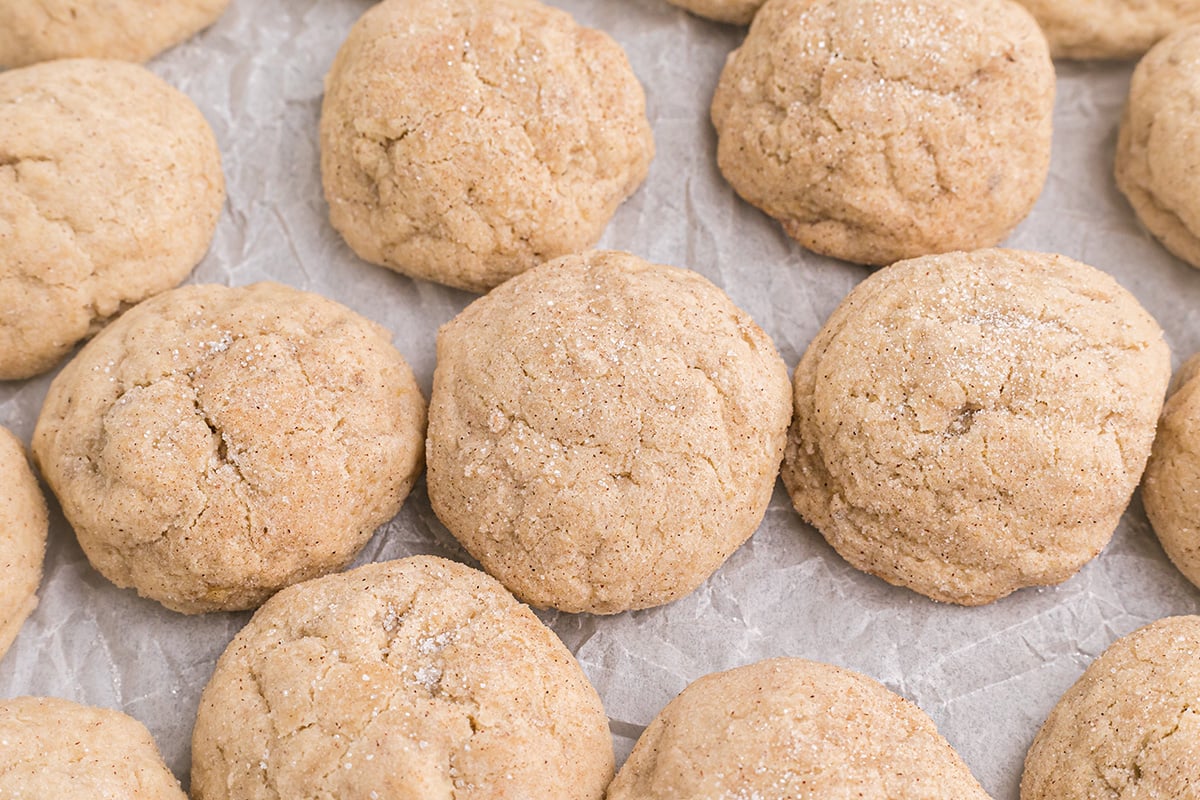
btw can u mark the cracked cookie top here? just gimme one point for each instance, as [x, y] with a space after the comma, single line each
[214, 445]
[1171, 489]
[23, 526]
[1130, 726]
[876, 130]
[1093, 29]
[56, 748]
[1158, 147]
[417, 678]
[790, 728]
[110, 189]
[131, 30]
[972, 423]
[604, 432]
[465, 141]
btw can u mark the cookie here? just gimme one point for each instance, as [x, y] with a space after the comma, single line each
[604, 432]
[464, 141]
[735, 12]
[1158, 157]
[877, 130]
[1095, 29]
[972, 423]
[23, 527]
[792, 728]
[214, 445]
[1129, 727]
[417, 678]
[131, 30]
[1171, 486]
[56, 748]
[110, 189]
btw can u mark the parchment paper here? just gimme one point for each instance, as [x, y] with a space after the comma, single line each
[988, 676]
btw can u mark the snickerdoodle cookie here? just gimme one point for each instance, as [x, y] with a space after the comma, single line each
[110, 189]
[1171, 489]
[131, 30]
[876, 130]
[1158, 148]
[792, 728]
[972, 423]
[23, 524]
[464, 141]
[56, 748]
[418, 678]
[736, 12]
[1092, 29]
[604, 432]
[214, 445]
[1129, 727]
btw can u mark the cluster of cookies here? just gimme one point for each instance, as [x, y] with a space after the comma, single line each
[603, 432]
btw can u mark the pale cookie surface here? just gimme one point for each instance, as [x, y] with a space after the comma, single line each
[1129, 729]
[1158, 148]
[737, 12]
[972, 423]
[214, 445]
[131, 30]
[464, 141]
[23, 525]
[1094, 29]
[110, 189]
[876, 130]
[790, 728]
[418, 678]
[604, 432]
[57, 749]
[1171, 488]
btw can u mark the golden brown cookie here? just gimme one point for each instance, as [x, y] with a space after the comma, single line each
[736, 12]
[1171, 487]
[53, 748]
[465, 141]
[23, 526]
[787, 728]
[604, 432]
[418, 678]
[110, 189]
[1091, 29]
[214, 445]
[1158, 148]
[131, 30]
[1129, 727]
[972, 423]
[876, 130]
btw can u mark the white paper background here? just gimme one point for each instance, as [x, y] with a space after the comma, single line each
[988, 676]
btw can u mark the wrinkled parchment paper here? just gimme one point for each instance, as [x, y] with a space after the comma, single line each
[988, 676]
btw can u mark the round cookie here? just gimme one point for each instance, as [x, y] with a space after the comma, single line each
[1129, 727]
[110, 189]
[23, 527]
[735, 12]
[1171, 486]
[972, 423]
[1158, 147]
[787, 727]
[604, 432]
[56, 748]
[415, 678]
[1093, 29]
[132, 30]
[464, 141]
[214, 445]
[877, 130]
